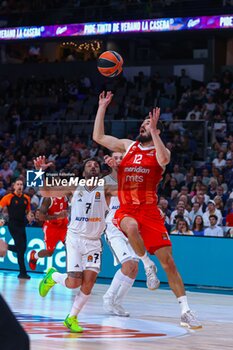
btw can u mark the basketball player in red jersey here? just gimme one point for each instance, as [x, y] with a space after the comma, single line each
[53, 212]
[138, 216]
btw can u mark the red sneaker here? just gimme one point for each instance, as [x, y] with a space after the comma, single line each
[32, 260]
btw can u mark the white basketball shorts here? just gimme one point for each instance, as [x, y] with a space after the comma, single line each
[119, 245]
[83, 254]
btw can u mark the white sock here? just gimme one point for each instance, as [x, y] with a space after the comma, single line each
[79, 301]
[124, 289]
[60, 278]
[36, 256]
[129, 280]
[146, 260]
[183, 304]
[115, 285]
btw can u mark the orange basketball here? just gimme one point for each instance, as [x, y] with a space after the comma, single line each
[110, 64]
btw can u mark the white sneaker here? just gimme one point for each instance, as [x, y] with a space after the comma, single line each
[108, 303]
[188, 319]
[152, 280]
[120, 311]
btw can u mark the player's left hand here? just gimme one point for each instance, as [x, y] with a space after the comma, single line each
[154, 117]
[105, 98]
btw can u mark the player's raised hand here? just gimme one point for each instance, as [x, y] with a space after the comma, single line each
[110, 161]
[40, 163]
[154, 117]
[105, 98]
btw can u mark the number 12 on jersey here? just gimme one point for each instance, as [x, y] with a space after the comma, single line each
[137, 159]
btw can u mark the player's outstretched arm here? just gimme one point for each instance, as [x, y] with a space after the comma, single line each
[110, 142]
[51, 191]
[43, 213]
[111, 190]
[163, 154]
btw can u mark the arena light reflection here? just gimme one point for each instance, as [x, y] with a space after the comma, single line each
[104, 28]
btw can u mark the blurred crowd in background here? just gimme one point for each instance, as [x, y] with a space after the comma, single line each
[21, 6]
[23, 12]
[54, 118]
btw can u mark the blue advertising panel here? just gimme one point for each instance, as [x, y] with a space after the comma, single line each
[34, 241]
[204, 261]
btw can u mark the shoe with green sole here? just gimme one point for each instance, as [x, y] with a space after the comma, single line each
[47, 282]
[71, 322]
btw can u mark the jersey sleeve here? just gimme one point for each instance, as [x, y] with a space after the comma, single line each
[108, 180]
[6, 200]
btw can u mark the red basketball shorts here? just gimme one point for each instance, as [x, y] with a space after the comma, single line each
[53, 235]
[150, 223]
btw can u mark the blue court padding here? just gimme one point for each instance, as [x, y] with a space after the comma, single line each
[201, 261]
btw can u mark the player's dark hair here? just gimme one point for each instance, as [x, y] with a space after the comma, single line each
[159, 124]
[93, 159]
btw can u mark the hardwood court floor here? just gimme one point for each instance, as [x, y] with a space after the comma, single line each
[153, 324]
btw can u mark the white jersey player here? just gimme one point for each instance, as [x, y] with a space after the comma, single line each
[122, 251]
[83, 245]
[87, 222]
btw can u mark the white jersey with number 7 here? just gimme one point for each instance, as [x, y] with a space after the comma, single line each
[88, 211]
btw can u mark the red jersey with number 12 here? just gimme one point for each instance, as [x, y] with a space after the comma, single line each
[139, 175]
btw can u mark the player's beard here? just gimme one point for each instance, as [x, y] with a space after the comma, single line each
[144, 138]
[91, 174]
